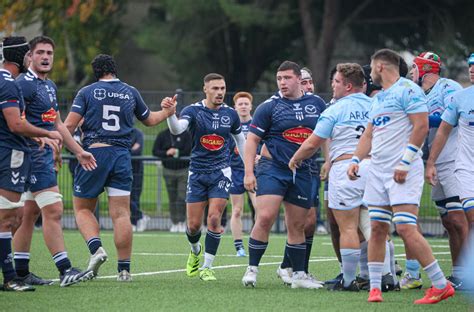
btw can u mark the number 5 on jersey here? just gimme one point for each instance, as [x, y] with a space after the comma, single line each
[113, 120]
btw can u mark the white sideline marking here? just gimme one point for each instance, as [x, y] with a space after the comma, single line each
[231, 256]
[230, 266]
[401, 245]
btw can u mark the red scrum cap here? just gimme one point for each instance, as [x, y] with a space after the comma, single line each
[428, 63]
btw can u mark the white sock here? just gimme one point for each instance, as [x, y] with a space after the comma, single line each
[375, 274]
[195, 248]
[386, 260]
[208, 259]
[364, 269]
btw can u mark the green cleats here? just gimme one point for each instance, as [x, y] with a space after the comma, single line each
[207, 275]
[192, 267]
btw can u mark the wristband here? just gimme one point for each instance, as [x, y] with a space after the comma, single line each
[410, 152]
[355, 160]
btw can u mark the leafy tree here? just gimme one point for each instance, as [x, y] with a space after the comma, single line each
[81, 30]
[239, 39]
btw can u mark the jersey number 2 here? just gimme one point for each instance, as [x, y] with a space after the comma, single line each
[359, 130]
[113, 121]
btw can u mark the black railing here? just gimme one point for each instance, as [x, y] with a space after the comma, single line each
[154, 201]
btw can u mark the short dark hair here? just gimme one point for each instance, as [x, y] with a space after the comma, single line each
[289, 65]
[41, 39]
[403, 68]
[332, 73]
[102, 65]
[352, 73]
[388, 56]
[14, 50]
[213, 76]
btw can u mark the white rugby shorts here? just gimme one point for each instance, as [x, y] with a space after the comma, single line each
[343, 193]
[382, 190]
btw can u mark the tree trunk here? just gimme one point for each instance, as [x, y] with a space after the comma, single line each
[321, 56]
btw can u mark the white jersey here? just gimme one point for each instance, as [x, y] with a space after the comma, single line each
[460, 113]
[391, 126]
[438, 99]
[344, 122]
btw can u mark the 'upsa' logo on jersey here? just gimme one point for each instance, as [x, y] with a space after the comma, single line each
[297, 135]
[49, 116]
[212, 142]
[121, 96]
[381, 120]
[99, 94]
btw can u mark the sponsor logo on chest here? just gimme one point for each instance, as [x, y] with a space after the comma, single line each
[212, 142]
[49, 116]
[297, 135]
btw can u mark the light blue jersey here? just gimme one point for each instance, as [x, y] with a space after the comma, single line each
[460, 112]
[438, 99]
[344, 122]
[391, 126]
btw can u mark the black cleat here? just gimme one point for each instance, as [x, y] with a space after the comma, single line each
[17, 285]
[398, 269]
[340, 286]
[457, 283]
[73, 276]
[388, 284]
[335, 280]
[363, 283]
[33, 279]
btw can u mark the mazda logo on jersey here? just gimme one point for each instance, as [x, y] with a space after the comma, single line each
[310, 109]
[297, 135]
[49, 116]
[212, 142]
[225, 120]
[99, 94]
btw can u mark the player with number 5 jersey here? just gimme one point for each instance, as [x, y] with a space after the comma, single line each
[108, 108]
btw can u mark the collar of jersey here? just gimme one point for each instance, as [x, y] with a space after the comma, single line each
[109, 80]
[32, 73]
[6, 70]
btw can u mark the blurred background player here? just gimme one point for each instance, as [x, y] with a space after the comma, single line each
[43, 196]
[174, 151]
[458, 115]
[445, 193]
[243, 107]
[213, 125]
[108, 107]
[137, 217]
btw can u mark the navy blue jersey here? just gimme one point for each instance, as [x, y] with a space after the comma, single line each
[10, 96]
[108, 108]
[211, 132]
[285, 124]
[41, 104]
[235, 159]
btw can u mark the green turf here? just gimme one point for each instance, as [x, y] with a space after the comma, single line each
[156, 253]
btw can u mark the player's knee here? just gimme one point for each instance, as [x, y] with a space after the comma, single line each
[309, 229]
[8, 222]
[194, 227]
[405, 223]
[47, 198]
[236, 213]
[380, 220]
[213, 220]
[52, 213]
[468, 205]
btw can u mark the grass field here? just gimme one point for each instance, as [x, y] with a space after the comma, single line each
[160, 283]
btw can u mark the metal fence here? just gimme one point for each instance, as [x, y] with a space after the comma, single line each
[154, 202]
